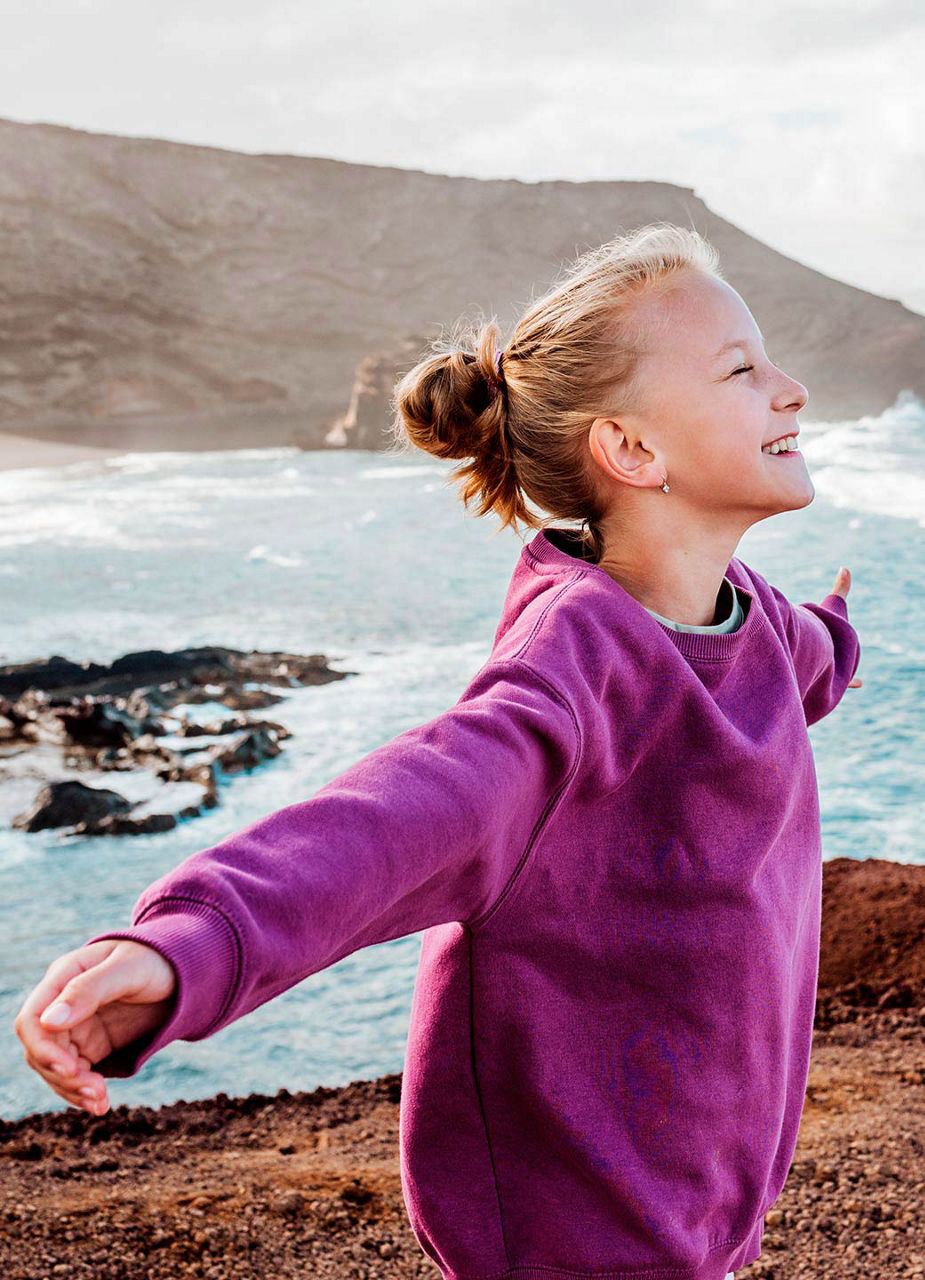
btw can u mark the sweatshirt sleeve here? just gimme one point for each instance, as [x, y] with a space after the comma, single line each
[825, 650]
[424, 830]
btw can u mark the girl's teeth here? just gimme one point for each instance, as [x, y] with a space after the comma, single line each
[781, 446]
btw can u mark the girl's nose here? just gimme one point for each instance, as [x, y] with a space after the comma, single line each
[793, 396]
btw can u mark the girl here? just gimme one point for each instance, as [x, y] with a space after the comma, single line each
[611, 841]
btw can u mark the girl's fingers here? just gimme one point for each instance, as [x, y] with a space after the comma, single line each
[70, 1087]
[57, 1049]
[59, 1054]
[44, 1052]
[70, 1080]
[83, 993]
[46, 1044]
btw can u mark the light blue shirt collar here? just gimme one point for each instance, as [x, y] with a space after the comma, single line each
[731, 623]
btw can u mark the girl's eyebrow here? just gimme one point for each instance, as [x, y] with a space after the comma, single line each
[736, 342]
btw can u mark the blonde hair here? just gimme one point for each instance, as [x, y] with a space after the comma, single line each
[571, 358]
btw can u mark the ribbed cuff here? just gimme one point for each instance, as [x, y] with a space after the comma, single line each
[834, 601]
[201, 944]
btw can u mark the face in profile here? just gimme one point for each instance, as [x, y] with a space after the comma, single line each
[710, 402]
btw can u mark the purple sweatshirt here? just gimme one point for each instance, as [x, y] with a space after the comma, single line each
[612, 843]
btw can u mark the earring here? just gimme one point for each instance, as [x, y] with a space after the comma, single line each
[665, 483]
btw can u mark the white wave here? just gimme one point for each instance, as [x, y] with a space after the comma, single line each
[872, 464]
[263, 555]
[396, 473]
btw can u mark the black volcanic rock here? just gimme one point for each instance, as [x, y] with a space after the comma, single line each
[66, 726]
[63, 804]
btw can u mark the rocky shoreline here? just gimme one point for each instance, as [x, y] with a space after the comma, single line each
[136, 745]
[307, 1184]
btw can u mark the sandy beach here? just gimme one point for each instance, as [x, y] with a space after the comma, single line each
[18, 452]
[50, 440]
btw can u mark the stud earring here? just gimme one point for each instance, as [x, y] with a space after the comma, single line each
[665, 483]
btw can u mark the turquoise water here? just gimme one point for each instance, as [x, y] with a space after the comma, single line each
[372, 560]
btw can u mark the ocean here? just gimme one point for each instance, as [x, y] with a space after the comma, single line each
[372, 560]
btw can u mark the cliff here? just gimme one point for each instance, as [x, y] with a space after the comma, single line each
[157, 295]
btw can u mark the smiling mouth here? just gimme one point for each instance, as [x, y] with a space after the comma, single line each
[786, 444]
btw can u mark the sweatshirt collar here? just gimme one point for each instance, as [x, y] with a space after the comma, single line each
[735, 615]
[559, 549]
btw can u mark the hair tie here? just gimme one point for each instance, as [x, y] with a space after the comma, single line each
[493, 385]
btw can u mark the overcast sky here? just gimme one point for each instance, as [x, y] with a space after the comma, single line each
[801, 122]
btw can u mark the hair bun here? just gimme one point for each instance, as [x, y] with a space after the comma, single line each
[577, 355]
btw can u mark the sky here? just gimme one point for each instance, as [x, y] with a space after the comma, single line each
[799, 122]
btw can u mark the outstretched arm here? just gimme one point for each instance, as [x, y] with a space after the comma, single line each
[824, 646]
[424, 830]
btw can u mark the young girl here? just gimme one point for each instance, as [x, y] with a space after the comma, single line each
[612, 840]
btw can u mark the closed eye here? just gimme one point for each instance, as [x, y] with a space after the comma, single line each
[744, 369]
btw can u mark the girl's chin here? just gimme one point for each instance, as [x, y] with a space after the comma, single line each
[794, 497]
[786, 468]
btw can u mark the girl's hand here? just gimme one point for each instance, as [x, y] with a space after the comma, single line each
[113, 991]
[841, 588]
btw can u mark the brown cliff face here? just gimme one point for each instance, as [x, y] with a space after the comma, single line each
[161, 295]
[363, 423]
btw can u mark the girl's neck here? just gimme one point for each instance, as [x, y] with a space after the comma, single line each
[680, 586]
